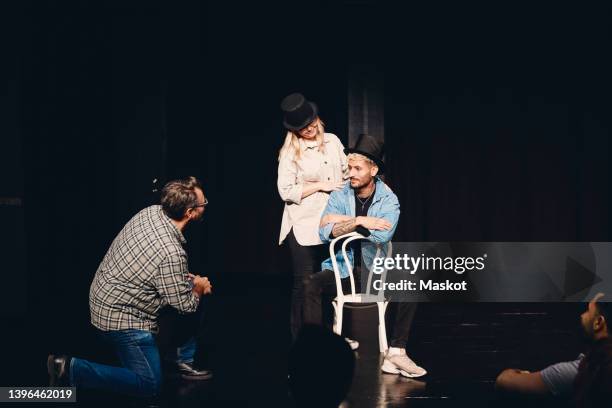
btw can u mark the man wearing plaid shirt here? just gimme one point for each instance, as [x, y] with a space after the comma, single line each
[144, 270]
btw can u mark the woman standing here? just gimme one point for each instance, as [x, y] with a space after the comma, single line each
[311, 164]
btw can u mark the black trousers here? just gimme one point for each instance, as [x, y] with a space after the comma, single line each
[305, 260]
[324, 283]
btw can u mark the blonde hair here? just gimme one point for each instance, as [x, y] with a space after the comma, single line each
[357, 156]
[291, 146]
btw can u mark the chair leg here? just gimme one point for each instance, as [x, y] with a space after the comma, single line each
[382, 328]
[338, 310]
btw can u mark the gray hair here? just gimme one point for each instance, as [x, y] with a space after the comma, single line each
[179, 195]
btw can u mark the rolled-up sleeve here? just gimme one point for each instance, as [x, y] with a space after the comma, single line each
[288, 187]
[172, 284]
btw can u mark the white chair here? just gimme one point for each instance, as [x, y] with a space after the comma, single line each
[341, 299]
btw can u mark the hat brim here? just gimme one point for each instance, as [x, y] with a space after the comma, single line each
[379, 163]
[315, 113]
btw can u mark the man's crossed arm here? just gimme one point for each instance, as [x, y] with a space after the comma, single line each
[343, 224]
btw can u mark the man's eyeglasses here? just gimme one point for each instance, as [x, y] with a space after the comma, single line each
[201, 205]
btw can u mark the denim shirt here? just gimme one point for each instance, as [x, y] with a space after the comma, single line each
[384, 205]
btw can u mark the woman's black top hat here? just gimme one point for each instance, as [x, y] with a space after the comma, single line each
[371, 148]
[299, 112]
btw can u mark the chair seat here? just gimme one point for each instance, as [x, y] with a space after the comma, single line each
[359, 298]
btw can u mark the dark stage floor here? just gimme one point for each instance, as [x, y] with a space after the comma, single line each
[463, 346]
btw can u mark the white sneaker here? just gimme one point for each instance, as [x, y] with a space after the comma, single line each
[400, 363]
[354, 344]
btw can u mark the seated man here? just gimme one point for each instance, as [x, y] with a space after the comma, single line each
[558, 379]
[367, 205]
[144, 269]
[593, 385]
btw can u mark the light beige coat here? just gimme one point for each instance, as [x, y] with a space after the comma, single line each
[304, 214]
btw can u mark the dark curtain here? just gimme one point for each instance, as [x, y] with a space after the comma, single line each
[497, 122]
[501, 164]
[497, 128]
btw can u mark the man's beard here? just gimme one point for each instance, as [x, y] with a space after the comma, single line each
[586, 335]
[195, 221]
[360, 186]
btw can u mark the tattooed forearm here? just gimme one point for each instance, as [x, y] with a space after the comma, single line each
[344, 227]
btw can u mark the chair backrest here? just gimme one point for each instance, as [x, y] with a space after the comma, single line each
[352, 236]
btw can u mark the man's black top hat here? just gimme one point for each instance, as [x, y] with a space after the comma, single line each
[371, 148]
[299, 112]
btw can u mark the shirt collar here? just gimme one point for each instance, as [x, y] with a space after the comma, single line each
[176, 232]
[312, 144]
[381, 190]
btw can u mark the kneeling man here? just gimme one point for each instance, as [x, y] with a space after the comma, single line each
[144, 270]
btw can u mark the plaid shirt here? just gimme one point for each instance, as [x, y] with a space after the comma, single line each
[144, 270]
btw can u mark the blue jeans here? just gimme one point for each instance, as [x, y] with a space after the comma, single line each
[186, 352]
[141, 372]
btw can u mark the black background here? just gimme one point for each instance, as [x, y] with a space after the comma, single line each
[497, 129]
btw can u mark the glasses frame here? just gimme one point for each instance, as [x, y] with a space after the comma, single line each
[201, 205]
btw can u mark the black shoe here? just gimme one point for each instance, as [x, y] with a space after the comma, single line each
[188, 372]
[58, 367]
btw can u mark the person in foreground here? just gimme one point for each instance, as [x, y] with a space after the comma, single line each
[321, 367]
[365, 205]
[558, 379]
[144, 270]
[593, 384]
